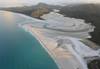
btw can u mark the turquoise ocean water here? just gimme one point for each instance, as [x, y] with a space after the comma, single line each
[19, 49]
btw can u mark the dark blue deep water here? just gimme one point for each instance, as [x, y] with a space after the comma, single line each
[19, 49]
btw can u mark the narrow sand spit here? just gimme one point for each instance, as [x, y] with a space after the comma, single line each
[64, 59]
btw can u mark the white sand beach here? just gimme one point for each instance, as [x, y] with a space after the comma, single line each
[63, 58]
[61, 39]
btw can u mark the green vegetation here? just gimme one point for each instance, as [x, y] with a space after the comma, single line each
[89, 12]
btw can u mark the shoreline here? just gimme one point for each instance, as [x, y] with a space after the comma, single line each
[63, 59]
[44, 46]
[47, 50]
